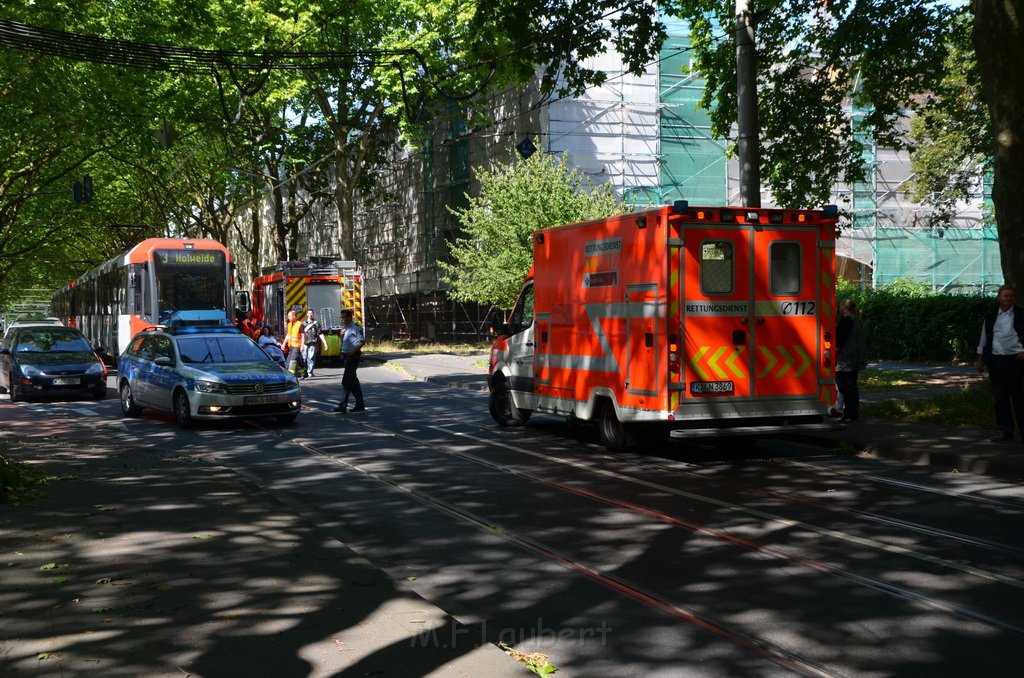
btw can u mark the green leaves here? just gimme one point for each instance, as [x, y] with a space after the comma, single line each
[495, 249]
[815, 62]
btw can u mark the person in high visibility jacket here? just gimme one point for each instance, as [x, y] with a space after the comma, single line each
[292, 344]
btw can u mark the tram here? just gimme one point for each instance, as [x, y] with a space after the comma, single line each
[160, 281]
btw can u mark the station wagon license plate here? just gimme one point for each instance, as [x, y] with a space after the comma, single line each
[261, 400]
[66, 381]
[702, 387]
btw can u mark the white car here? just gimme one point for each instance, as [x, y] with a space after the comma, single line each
[24, 322]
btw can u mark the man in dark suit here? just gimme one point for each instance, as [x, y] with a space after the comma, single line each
[1001, 351]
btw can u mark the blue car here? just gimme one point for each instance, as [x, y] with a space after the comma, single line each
[49, 359]
[204, 373]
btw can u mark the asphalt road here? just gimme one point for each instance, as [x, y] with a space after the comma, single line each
[772, 559]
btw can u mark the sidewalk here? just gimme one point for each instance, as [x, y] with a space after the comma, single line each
[947, 448]
[953, 449]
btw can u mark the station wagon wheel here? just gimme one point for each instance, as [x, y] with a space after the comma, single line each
[128, 405]
[613, 432]
[182, 412]
[503, 408]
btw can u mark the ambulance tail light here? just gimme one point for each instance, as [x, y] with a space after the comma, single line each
[673, 353]
[826, 354]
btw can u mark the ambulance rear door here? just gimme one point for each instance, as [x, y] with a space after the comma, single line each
[786, 311]
[750, 316]
[716, 311]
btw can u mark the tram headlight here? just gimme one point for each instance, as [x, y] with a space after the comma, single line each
[210, 386]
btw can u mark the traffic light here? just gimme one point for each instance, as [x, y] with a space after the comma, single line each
[81, 191]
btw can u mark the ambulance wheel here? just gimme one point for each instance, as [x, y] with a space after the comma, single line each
[502, 407]
[612, 431]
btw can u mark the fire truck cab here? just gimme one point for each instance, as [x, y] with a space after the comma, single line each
[679, 320]
[298, 286]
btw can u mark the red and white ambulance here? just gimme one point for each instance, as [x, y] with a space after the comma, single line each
[693, 321]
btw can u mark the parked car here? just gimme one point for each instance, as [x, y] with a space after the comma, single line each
[204, 373]
[47, 359]
[26, 322]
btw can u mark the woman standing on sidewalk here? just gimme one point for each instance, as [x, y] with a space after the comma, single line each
[850, 357]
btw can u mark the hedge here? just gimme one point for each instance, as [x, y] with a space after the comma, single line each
[905, 321]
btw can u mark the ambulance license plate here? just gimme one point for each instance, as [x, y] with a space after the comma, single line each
[66, 381]
[701, 387]
[261, 400]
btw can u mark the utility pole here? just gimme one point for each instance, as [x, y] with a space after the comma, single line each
[748, 140]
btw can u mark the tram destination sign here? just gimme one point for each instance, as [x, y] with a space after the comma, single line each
[190, 258]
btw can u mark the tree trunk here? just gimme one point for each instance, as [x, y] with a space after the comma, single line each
[999, 45]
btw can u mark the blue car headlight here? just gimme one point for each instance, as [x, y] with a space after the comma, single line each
[204, 386]
[96, 368]
[31, 371]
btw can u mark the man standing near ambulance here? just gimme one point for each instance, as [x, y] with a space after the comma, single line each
[1001, 350]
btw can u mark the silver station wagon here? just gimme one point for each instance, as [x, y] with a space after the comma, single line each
[204, 373]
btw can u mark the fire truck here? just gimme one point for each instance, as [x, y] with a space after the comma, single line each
[299, 286]
[676, 321]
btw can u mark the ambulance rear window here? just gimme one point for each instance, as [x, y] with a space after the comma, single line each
[785, 268]
[716, 267]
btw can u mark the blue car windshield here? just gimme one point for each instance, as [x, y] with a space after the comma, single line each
[220, 349]
[60, 340]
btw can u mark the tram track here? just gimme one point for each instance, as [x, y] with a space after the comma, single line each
[922, 600]
[860, 514]
[910, 526]
[668, 602]
[758, 645]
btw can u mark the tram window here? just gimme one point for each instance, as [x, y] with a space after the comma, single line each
[717, 267]
[785, 268]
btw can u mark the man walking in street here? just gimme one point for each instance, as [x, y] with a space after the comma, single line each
[352, 340]
[1001, 351]
[310, 340]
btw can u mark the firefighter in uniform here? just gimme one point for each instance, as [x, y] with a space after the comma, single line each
[292, 344]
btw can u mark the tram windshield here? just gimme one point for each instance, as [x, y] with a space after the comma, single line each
[190, 280]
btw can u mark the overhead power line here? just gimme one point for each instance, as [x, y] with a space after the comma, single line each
[16, 35]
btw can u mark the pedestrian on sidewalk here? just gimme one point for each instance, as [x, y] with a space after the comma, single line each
[1001, 352]
[311, 334]
[851, 356]
[352, 340]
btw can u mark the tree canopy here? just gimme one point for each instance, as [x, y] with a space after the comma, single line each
[495, 251]
[203, 107]
[185, 112]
